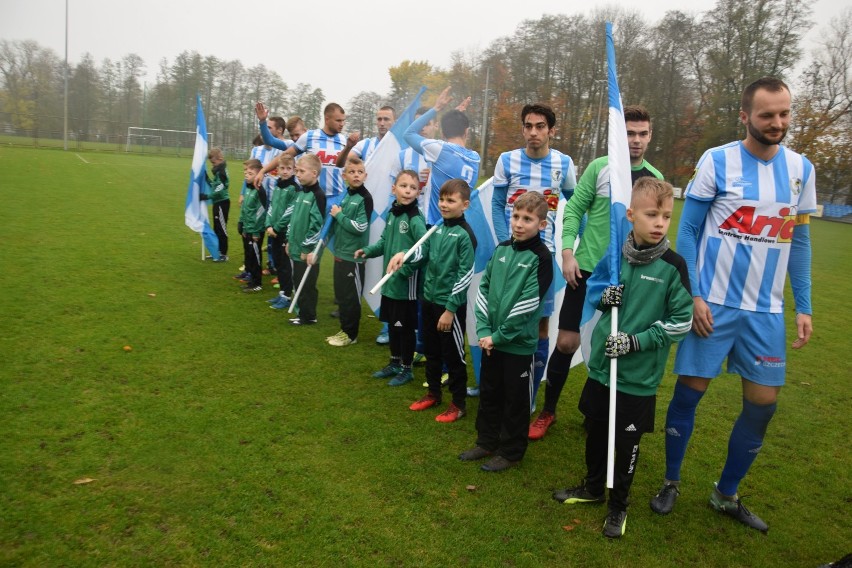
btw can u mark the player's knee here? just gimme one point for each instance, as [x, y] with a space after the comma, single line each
[568, 341]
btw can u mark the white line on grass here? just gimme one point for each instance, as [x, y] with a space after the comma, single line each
[82, 158]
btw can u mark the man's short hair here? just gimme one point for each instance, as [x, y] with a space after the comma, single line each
[313, 162]
[542, 109]
[771, 84]
[332, 107]
[390, 108]
[253, 164]
[286, 160]
[293, 122]
[534, 202]
[456, 186]
[658, 189]
[279, 122]
[636, 113]
[454, 124]
[258, 141]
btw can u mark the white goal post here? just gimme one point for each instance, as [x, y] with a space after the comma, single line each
[160, 137]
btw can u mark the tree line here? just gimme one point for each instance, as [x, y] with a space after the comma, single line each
[687, 69]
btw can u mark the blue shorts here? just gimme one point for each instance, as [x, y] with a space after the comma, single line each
[753, 342]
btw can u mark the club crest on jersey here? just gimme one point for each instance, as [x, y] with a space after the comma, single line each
[403, 227]
[796, 186]
[556, 176]
[744, 224]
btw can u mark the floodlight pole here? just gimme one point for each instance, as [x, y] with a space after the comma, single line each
[484, 117]
[65, 131]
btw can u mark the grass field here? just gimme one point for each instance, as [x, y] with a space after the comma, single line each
[227, 437]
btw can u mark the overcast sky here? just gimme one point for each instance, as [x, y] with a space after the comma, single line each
[341, 47]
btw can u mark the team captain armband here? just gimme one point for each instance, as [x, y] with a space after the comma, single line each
[803, 219]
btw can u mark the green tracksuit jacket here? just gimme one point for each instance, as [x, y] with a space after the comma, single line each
[306, 221]
[450, 266]
[657, 309]
[351, 226]
[405, 226]
[508, 304]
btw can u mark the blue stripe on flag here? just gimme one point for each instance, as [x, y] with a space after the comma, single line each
[607, 271]
[195, 210]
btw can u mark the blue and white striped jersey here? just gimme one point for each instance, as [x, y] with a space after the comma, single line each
[448, 161]
[411, 160]
[326, 148]
[744, 244]
[516, 173]
[365, 147]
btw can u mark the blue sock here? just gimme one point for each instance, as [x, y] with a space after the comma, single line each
[539, 363]
[680, 421]
[744, 445]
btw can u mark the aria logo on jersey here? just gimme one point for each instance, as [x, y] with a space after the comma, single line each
[327, 158]
[744, 224]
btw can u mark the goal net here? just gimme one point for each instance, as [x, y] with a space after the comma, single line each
[160, 140]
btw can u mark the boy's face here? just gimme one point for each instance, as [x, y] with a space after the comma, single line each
[452, 205]
[650, 221]
[250, 174]
[406, 189]
[354, 175]
[285, 171]
[306, 175]
[526, 224]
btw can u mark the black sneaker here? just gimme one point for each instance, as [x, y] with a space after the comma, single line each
[473, 454]
[301, 321]
[615, 524]
[663, 502]
[249, 289]
[578, 494]
[734, 508]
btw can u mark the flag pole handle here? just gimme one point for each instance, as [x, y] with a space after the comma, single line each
[304, 279]
[613, 371]
[406, 256]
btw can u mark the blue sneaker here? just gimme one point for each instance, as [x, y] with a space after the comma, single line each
[389, 370]
[383, 339]
[403, 377]
[472, 391]
[282, 303]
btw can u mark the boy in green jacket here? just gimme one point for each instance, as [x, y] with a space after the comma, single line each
[405, 226]
[508, 309]
[220, 199]
[351, 232]
[277, 220]
[252, 221]
[444, 303]
[655, 311]
[303, 236]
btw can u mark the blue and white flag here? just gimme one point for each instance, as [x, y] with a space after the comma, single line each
[195, 213]
[607, 271]
[379, 166]
[478, 216]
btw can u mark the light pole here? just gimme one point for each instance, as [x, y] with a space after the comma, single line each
[65, 130]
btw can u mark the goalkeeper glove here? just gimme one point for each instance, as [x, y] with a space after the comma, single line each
[611, 296]
[620, 344]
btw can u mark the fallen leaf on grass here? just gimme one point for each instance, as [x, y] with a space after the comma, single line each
[805, 384]
[576, 521]
[568, 528]
[83, 481]
[127, 348]
[153, 295]
[471, 487]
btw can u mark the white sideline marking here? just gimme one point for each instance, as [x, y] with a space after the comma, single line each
[82, 158]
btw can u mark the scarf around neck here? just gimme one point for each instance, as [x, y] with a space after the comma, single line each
[645, 255]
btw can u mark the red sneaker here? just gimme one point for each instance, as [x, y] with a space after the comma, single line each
[451, 414]
[274, 280]
[539, 427]
[427, 401]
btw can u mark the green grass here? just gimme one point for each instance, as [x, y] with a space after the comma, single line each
[227, 437]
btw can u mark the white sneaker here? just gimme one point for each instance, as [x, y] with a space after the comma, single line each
[341, 340]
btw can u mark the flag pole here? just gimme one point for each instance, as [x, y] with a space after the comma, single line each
[613, 373]
[304, 278]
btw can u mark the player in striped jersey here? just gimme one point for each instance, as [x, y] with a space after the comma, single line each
[449, 158]
[411, 160]
[364, 148]
[325, 143]
[591, 198]
[535, 167]
[745, 224]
